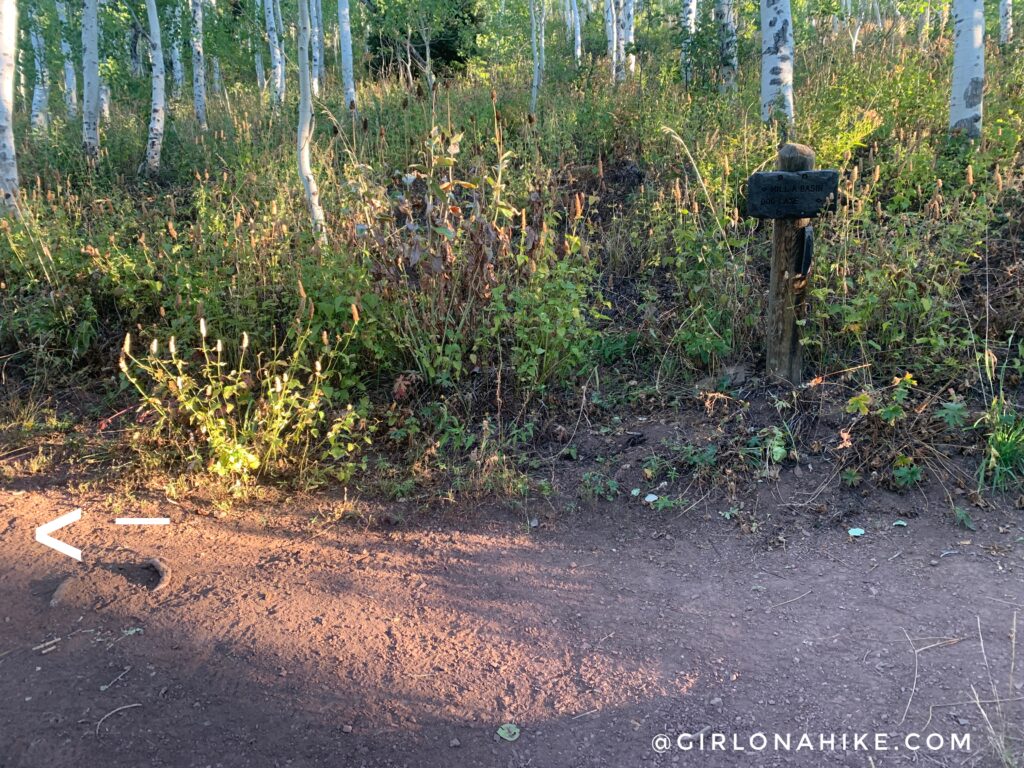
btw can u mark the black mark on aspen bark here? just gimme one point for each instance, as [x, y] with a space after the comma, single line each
[972, 96]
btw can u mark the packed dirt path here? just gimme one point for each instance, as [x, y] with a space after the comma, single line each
[271, 644]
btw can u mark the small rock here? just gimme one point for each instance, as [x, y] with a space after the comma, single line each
[716, 702]
[933, 562]
[454, 743]
[346, 728]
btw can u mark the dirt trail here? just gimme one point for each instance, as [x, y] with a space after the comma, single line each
[409, 646]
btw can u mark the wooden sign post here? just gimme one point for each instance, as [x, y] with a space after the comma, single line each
[789, 196]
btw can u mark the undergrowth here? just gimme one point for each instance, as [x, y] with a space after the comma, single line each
[486, 272]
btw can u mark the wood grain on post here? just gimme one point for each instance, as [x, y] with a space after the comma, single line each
[787, 287]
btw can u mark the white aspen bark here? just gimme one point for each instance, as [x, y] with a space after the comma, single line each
[8, 59]
[70, 76]
[261, 72]
[345, 43]
[321, 43]
[535, 49]
[611, 33]
[728, 61]
[965, 103]
[543, 6]
[854, 27]
[256, 42]
[305, 131]
[276, 61]
[629, 16]
[688, 28]
[104, 100]
[280, 26]
[1005, 22]
[158, 109]
[620, 41]
[316, 44]
[177, 66]
[198, 64]
[20, 65]
[577, 33]
[567, 17]
[90, 82]
[40, 117]
[777, 61]
[218, 81]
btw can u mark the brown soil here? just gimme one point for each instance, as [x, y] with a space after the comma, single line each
[276, 644]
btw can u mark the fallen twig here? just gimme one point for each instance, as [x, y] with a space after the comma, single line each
[787, 602]
[114, 712]
[110, 685]
[913, 688]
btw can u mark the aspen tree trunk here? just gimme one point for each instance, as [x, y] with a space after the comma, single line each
[629, 22]
[611, 32]
[198, 64]
[535, 49]
[345, 43]
[965, 103]
[688, 28]
[134, 57]
[256, 41]
[104, 99]
[70, 76]
[283, 71]
[321, 43]
[40, 117]
[90, 82]
[280, 26]
[305, 131]
[317, 31]
[19, 66]
[620, 41]
[177, 67]
[542, 37]
[218, 81]
[158, 110]
[257, 52]
[777, 62]
[1005, 22]
[728, 62]
[567, 17]
[855, 26]
[8, 59]
[577, 33]
[276, 60]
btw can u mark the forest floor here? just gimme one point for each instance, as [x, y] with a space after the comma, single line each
[594, 627]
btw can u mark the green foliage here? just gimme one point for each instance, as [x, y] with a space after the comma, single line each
[241, 414]
[480, 262]
[1003, 465]
[596, 485]
[905, 473]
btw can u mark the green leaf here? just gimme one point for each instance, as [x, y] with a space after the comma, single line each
[963, 519]
[509, 731]
[855, 532]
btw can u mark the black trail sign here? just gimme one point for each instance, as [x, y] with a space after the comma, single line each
[791, 195]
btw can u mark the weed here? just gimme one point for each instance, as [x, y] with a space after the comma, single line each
[595, 485]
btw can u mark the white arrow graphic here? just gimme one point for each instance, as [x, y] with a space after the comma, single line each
[43, 534]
